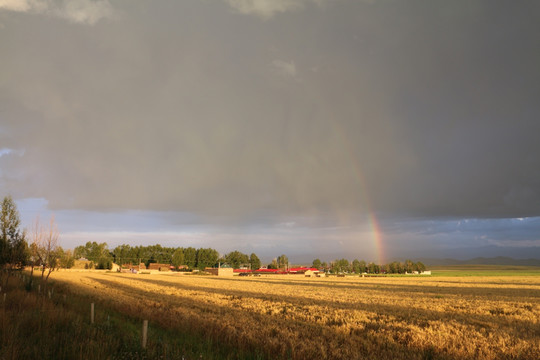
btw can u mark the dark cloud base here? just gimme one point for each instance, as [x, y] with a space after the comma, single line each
[329, 113]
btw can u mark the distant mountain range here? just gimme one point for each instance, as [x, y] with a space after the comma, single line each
[499, 260]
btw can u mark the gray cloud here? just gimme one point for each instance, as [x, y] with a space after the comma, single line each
[76, 11]
[415, 109]
[268, 8]
[285, 68]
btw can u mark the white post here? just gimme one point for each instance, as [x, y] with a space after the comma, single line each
[5, 297]
[144, 333]
[91, 313]
[49, 294]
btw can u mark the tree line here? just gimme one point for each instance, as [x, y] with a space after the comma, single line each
[360, 266]
[190, 257]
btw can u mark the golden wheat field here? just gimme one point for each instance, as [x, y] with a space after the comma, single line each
[336, 318]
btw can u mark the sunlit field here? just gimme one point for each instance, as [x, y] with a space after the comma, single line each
[474, 317]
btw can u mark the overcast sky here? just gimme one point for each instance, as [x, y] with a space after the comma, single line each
[276, 126]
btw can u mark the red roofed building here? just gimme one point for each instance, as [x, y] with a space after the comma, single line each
[303, 270]
[266, 271]
[242, 271]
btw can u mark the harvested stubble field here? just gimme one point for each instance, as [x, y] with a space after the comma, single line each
[335, 318]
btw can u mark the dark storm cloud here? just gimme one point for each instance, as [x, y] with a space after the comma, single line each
[297, 108]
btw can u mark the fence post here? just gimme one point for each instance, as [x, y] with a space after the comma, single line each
[91, 313]
[144, 333]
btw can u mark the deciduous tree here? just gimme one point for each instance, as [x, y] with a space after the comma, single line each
[65, 258]
[236, 258]
[356, 266]
[409, 266]
[206, 258]
[341, 265]
[363, 266]
[283, 262]
[178, 258]
[97, 253]
[373, 268]
[13, 247]
[190, 257]
[254, 261]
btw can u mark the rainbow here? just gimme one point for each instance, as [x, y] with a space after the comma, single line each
[376, 232]
[377, 238]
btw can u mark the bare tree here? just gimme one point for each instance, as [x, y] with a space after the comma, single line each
[44, 248]
[36, 237]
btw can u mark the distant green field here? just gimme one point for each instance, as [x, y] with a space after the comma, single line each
[484, 270]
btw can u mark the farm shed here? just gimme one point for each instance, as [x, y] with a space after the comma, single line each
[426, 272]
[242, 271]
[222, 271]
[308, 272]
[160, 267]
[132, 268]
[266, 271]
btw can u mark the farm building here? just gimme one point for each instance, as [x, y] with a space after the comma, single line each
[266, 271]
[426, 272]
[221, 271]
[133, 268]
[308, 272]
[160, 267]
[242, 271]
